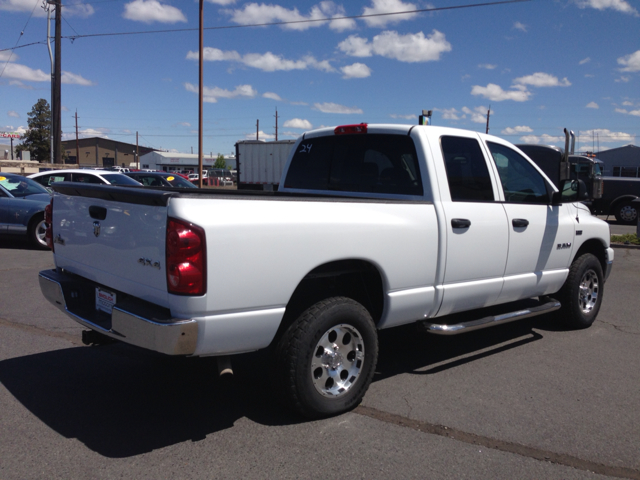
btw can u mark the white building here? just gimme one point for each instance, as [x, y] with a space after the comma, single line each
[180, 162]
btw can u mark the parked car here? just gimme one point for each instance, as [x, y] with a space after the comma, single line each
[194, 177]
[83, 176]
[160, 179]
[22, 203]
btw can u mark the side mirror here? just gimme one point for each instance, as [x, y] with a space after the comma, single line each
[583, 194]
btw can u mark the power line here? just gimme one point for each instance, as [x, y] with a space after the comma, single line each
[315, 20]
[253, 25]
[18, 41]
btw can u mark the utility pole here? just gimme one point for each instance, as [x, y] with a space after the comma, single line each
[137, 153]
[488, 114]
[276, 124]
[48, 8]
[257, 129]
[200, 95]
[77, 144]
[57, 108]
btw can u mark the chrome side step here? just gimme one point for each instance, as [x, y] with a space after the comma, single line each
[493, 316]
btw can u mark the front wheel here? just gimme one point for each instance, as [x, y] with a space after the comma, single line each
[626, 213]
[581, 294]
[327, 357]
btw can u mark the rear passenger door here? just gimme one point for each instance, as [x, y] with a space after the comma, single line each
[477, 234]
[540, 234]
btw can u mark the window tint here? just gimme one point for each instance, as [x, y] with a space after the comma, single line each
[85, 178]
[47, 180]
[467, 171]
[370, 163]
[521, 182]
[119, 179]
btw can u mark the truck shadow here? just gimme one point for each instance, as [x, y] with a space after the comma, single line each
[121, 401]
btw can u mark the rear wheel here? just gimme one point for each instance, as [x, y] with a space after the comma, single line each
[581, 294]
[626, 213]
[37, 230]
[327, 357]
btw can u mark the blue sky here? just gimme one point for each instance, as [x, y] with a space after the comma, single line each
[540, 65]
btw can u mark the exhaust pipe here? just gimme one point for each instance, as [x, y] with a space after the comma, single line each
[573, 141]
[565, 169]
[224, 366]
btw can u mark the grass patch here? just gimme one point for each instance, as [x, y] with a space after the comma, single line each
[627, 238]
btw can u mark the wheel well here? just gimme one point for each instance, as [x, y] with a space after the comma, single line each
[596, 248]
[34, 219]
[356, 279]
[614, 203]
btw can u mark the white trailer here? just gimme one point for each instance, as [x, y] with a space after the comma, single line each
[260, 164]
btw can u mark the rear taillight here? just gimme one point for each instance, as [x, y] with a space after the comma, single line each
[349, 129]
[186, 258]
[48, 220]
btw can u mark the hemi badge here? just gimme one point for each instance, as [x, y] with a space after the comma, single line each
[578, 232]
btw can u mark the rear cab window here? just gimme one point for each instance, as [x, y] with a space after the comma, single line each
[371, 163]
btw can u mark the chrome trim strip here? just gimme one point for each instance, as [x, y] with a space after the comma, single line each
[490, 321]
[178, 337]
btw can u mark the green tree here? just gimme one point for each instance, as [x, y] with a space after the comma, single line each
[220, 162]
[37, 139]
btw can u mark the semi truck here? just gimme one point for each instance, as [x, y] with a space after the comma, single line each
[260, 164]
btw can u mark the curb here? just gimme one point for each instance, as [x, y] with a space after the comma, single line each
[622, 245]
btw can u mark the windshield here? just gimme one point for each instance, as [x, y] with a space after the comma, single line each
[178, 181]
[119, 179]
[21, 186]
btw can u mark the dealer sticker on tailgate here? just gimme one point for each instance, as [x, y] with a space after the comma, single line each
[105, 300]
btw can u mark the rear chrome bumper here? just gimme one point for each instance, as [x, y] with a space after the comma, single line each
[132, 321]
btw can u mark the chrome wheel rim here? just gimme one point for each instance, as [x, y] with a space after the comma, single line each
[337, 361]
[628, 213]
[589, 287]
[40, 232]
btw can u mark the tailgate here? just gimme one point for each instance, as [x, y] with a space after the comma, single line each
[114, 236]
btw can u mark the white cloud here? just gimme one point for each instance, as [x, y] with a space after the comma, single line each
[449, 113]
[149, 11]
[495, 93]
[261, 135]
[404, 117]
[254, 13]
[387, 6]
[73, 79]
[211, 95]
[329, 107]
[182, 124]
[6, 56]
[79, 10]
[540, 79]
[584, 60]
[592, 105]
[635, 113]
[222, 2]
[356, 70]
[630, 63]
[477, 115]
[408, 48]
[272, 96]
[627, 103]
[619, 5]
[10, 128]
[544, 139]
[623, 79]
[520, 26]
[267, 62]
[298, 123]
[607, 136]
[516, 130]
[24, 73]
[13, 113]
[487, 66]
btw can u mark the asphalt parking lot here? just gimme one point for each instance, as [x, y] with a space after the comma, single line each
[525, 400]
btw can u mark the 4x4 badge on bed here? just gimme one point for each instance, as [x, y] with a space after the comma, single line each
[96, 228]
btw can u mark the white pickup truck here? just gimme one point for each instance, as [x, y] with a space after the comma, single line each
[374, 226]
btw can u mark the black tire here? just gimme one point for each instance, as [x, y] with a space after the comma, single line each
[320, 382]
[36, 231]
[626, 213]
[581, 294]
